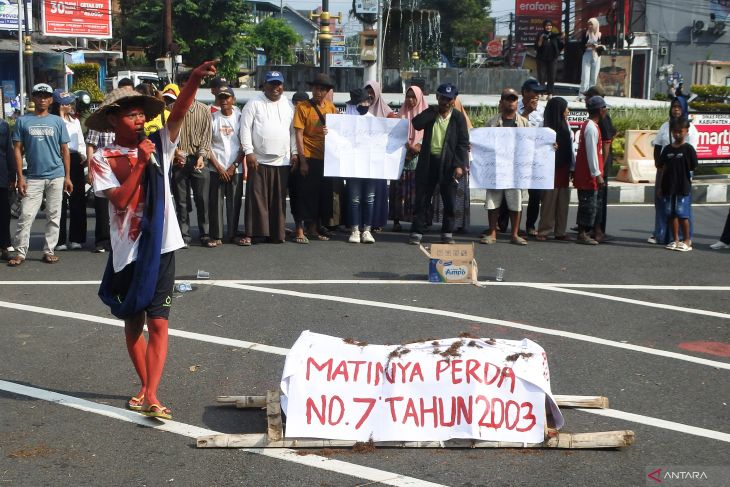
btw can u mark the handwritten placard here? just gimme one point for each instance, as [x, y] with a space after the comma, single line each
[365, 147]
[427, 391]
[505, 158]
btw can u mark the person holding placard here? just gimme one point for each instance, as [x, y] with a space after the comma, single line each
[507, 117]
[379, 108]
[588, 174]
[443, 162]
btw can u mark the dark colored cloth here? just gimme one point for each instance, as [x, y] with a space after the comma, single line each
[135, 287]
[509, 122]
[380, 209]
[265, 208]
[7, 156]
[75, 205]
[424, 197]
[161, 302]
[608, 132]
[554, 118]
[313, 194]
[232, 193]
[678, 206]
[462, 205]
[550, 47]
[547, 71]
[725, 237]
[676, 164]
[4, 217]
[533, 208]
[455, 152]
[183, 179]
[101, 226]
[361, 194]
[402, 202]
[589, 205]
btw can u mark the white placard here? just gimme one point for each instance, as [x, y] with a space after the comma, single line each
[365, 147]
[485, 389]
[507, 157]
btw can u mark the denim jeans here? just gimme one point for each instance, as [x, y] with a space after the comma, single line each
[361, 191]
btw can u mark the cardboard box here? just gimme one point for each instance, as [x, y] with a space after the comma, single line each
[453, 263]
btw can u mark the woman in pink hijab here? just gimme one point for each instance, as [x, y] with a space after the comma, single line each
[403, 191]
[379, 108]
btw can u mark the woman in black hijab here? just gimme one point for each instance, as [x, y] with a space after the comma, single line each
[554, 209]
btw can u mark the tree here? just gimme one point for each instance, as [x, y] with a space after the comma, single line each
[462, 22]
[203, 30]
[276, 37]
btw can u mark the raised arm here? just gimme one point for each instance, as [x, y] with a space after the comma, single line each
[186, 97]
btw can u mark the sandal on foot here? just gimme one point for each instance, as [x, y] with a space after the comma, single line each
[50, 258]
[157, 411]
[683, 247]
[244, 241]
[135, 403]
[487, 240]
[325, 232]
[319, 236]
[541, 238]
[208, 243]
[586, 241]
[300, 240]
[16, 261]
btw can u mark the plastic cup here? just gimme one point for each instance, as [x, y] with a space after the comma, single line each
[500, 274]
[202, 274]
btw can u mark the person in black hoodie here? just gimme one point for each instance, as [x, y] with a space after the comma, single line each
[442, 161]
[548, 47]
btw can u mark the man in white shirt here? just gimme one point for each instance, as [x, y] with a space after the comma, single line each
[226, 175]
[535, 114]
[269, 144]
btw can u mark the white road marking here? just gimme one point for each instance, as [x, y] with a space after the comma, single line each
[481, 319]
[659, 423]
[649, 287]
[190, 431]
[172, 332]
[662, 306]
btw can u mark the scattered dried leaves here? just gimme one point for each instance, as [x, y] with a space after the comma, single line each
[466, 334]
[352, 341]
[453, 350]
[36, 451]
[398, 352]
[364, 447]
[515, 356]
[473, 343]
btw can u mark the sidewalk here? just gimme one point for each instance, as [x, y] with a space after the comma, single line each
[705, 189]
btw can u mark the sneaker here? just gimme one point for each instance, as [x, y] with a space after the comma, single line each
[99, 249]
[720, 245]
[367, 237]
[651, 240]
[61, 247]
[74, 246]
[415, 239]
[355, 236]
[446, 238]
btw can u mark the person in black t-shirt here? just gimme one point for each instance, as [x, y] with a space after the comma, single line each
[677, 161]
[548, 47]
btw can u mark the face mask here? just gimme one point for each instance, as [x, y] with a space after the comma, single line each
[362, 110]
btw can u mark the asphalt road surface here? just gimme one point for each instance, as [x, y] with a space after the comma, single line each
[643, 326]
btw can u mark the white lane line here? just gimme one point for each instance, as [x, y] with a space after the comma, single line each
[193, 432]
[662, 306]
[172, 332]
[482, 319]
[649, 287]
[659, 423]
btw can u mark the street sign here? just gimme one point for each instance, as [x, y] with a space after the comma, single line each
[9, 16]
[337, 48]
[77, 18]
[494, 48]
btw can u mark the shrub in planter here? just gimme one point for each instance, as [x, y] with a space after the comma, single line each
[85, 78]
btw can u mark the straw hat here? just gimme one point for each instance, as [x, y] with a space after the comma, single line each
[98, 120]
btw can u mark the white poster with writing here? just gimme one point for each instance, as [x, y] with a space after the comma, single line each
[473, 388]
[365, 147]
[505, 157]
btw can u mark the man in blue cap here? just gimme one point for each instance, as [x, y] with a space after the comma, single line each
[442, 161]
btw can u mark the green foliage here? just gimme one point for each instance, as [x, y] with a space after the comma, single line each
[462, 22]
[85, 78]
[711, 91]
[276, 37]
[711, 98]
[203, 30]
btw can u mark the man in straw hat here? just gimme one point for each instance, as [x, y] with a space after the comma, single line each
[134, 175]
[314, 191]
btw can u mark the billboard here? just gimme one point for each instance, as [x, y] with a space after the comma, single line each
[9, 15]
[603, 10]
[77, 18]
[530, 14]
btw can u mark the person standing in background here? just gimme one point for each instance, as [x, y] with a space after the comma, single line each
[591, 61]
[7, 180]
[548, 47]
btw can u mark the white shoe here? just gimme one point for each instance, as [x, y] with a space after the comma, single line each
[719, 245]
[61, 247]
[74, 246]
[671, 246]
[651, 240]
[367, 237]
[354, 237]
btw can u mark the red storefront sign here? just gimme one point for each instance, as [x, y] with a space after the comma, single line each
[530, 14]
[714, 144]
[77, 18]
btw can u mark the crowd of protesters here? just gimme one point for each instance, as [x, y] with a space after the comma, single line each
[273, 148]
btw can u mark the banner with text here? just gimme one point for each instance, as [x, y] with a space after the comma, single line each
[365, 147]
[9, 16]
[507, 158]
[77, 18]
[714, 130]
[486, 389]
[530, 14]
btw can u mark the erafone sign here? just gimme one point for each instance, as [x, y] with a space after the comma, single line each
[530, 14]
[77, 18]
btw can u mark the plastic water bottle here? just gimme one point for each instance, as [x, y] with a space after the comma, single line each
[184, 287]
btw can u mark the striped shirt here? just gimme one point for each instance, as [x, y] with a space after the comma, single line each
[99, 139]
[195, 132]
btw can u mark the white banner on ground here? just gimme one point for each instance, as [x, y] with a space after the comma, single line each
[507, 158]
[473, 388]
[365, 147]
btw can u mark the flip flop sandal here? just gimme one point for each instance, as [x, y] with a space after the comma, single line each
[319, 236]
[487, 240]
[301, 240]
[671, 246]
[157, 411]
[244, 241]
[50, 259]
[135, 403]
[683, 247]
[208, 243]
[586, 241]
[540, 238]
[324, 231]
[16, 261]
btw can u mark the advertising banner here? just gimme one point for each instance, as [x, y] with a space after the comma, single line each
[9, 15]
[530, 14]
[77, 18]
[714, 145]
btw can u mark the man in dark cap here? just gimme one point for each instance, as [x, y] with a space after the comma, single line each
[314, 191]
[608, 132]
[442, 160]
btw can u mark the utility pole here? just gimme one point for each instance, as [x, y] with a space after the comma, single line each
[28, 51]
[167, 27]
[325, 36]
[21, 80]
[566, 19]
[620, 24]
[509, 38]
